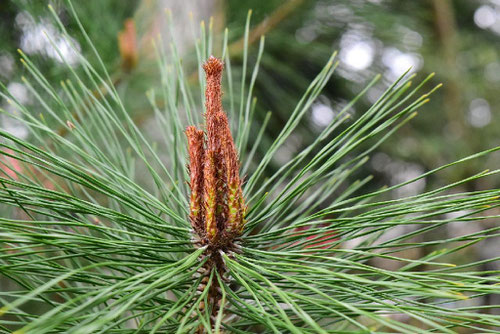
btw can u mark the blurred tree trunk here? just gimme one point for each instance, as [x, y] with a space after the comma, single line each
[444, 20]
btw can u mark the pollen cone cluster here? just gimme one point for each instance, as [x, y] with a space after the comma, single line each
[217, 207]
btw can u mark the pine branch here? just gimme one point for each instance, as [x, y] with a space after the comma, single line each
[103, 232]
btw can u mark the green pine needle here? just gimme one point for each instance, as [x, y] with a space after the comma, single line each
[96, 236]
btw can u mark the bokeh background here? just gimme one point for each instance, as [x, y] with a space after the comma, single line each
[459, 40]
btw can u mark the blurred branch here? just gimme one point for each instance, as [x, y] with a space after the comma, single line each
[127, 39]
[279, 14]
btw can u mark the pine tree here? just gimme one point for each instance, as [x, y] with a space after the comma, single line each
[108, 232]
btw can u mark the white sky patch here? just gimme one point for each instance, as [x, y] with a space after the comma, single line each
[379, 161]
[398, 62]
[399, 172]
[485, 16]
[496, 27]
[403, 172]
[322, 114]
[457, 214]
[6, 65]
[479, 113]
[357, 55]
[412, 39]
[461, 228]
[15, 127]
[43, 38]
[288, 150]
[18, 91]
[488, 16]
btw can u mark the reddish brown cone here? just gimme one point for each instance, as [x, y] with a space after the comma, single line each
[217, 207]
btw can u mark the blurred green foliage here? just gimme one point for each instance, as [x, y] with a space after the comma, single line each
[433, 36]
[372, 37]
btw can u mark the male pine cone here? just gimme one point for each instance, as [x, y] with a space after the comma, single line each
[217, 208]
